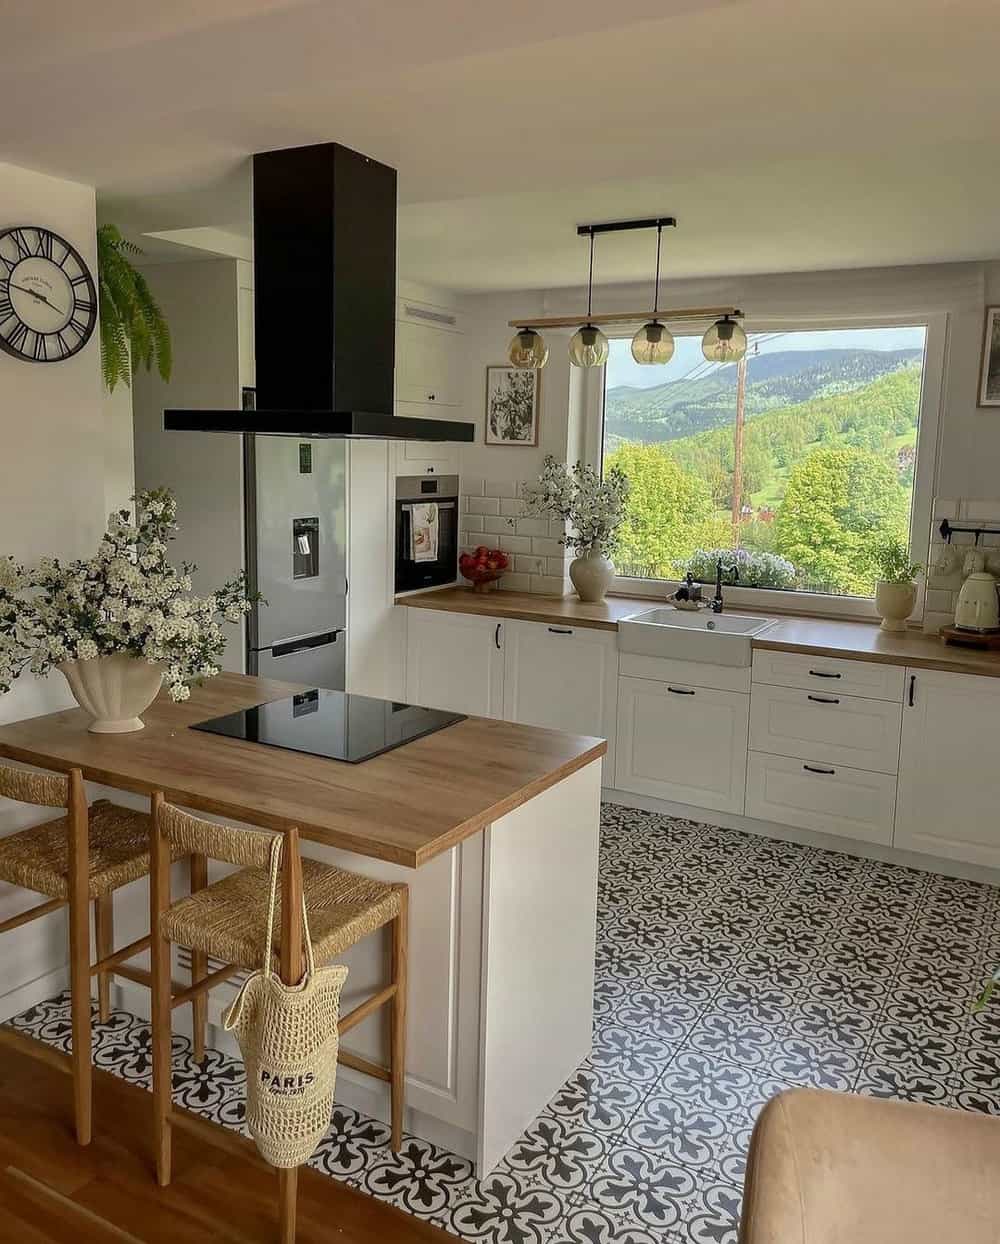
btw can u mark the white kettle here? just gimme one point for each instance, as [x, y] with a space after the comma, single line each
[978, 608]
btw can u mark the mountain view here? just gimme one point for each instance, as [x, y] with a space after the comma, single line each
[828, 457]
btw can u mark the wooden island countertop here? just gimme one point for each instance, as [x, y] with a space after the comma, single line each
[406, 806]
[858, 641]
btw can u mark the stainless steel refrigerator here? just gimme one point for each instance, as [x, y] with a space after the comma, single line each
[295, 525]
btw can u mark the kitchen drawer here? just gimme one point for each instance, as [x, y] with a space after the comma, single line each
[835, 675]
[690, 673]
[839, 729]
[831, 799]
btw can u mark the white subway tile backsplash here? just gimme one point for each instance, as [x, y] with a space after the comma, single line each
[500, 487]
[556, 566]
[472, 522]
[516, 582]
[516, 544]
[939, 600]
[546, 546]
[484, 505]
[525, 563]
[981, 511]
[946, 507]
[557, 528]
[531, 527]
[934, 621]
[548, 585]
[496, 526]
[513, 507]
[472, 487]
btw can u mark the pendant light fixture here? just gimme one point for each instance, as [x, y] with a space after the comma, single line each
[588, 347]
[528, 350]
[725, 341]
[654, 342]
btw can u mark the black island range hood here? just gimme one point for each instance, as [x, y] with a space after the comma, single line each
[324, 248]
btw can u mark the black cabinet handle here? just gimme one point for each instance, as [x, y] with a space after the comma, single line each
[431, 397]
[817, 769]
[823, 699]
[680, 690]
[822, 674]
[496, 635]
[913, 684]
[560, 630]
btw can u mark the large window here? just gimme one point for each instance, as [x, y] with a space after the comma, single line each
[791, 466]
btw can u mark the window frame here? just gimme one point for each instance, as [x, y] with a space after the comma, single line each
[936, 326]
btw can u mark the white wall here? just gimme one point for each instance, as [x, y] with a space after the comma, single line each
[119, 451]
[969, 449]
[52, 501]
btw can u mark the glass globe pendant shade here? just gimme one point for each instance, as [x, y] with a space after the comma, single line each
[527, 349]
[588, 347]
[725, 342]
[653, 343]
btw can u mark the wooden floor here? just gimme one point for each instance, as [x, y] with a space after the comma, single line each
[53, 1191]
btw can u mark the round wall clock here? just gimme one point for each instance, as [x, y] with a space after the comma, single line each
[48, 301]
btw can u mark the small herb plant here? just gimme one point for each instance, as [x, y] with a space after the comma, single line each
[593, 507]
[133, 330]
[891, 562]
[753, 569]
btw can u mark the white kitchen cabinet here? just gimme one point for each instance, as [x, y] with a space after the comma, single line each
[829, 675]
[455, 661]
[562, 677]
[428, 364]
[831, 799]
[949, 779]
[840, 729]
[683, 743]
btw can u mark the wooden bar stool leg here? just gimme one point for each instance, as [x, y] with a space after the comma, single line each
[291, 973]
[397, 1021]
[79, 955]
[199, 967]
[104, 943]
[159, 892]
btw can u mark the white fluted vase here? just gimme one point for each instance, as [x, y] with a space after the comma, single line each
[592, 576]
[114, 690]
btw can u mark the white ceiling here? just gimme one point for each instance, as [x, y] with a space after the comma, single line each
[784, 134]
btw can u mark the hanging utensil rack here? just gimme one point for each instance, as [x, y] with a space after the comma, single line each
[948, 529]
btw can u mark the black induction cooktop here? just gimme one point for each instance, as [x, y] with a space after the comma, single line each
[332, 723]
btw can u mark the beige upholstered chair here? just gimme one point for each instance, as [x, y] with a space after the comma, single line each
[80, 857]
[228, 921]
[833, 1168]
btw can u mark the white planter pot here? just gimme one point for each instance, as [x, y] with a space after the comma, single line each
[894, 603]
[592, 576]
[114, 690]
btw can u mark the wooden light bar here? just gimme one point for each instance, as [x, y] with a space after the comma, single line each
[628, 317]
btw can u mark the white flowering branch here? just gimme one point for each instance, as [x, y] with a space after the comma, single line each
[593, 507]
[127, 598]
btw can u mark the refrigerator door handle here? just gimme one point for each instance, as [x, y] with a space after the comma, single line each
[290, 646]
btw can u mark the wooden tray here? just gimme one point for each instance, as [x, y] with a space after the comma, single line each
[970, 639]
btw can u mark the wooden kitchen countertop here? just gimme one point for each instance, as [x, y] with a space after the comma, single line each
[859, 641]
[406, 806]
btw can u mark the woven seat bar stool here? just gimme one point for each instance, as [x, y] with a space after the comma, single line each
[78, 859]
[228, 919]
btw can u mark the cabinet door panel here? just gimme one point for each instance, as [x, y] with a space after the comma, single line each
[428, 364]
[845, 730]
[829, 675]
[949, 778]
[562, 677]
[454, 661]
[687, 744]
[829, 798]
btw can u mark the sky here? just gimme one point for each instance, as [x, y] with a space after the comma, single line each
[622, 368]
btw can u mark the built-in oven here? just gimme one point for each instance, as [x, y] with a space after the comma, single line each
[426, 531]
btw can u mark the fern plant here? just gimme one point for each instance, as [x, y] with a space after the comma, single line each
[133, 330]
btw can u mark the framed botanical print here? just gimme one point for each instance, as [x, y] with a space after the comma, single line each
[512, 406]
[989, 368]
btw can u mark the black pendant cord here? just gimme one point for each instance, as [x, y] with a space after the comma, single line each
[656, 279]
[590, 280]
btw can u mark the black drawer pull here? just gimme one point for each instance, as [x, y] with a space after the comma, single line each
[816, 769]
[823, 699]
[560, 630]
[913, 687]
[496, 635]
[680, 690]
[822, 674]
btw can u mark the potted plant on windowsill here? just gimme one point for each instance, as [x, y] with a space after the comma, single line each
[895, 589]
[593, 508]
[119, 624]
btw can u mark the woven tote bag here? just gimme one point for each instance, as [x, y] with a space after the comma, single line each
[289, 1038]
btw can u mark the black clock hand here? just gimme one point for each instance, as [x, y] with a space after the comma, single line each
[21, 289]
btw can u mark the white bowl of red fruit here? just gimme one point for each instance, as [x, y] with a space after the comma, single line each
[483, 567]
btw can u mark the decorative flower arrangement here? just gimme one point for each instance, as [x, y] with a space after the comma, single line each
[753, 569]
[593, 507]
[127, 598]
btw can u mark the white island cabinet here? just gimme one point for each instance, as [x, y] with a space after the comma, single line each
[948, 803]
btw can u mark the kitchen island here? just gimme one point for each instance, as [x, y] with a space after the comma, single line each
[494, 827]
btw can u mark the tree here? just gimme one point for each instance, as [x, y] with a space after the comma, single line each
[839, 505]
[670, 512]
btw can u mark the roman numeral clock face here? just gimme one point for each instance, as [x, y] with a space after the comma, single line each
[48, 303]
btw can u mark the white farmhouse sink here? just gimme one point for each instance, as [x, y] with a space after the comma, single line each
[715, 638]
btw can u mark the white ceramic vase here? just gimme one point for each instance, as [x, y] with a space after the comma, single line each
[592, 575]
[894, 603]
[114, 690]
